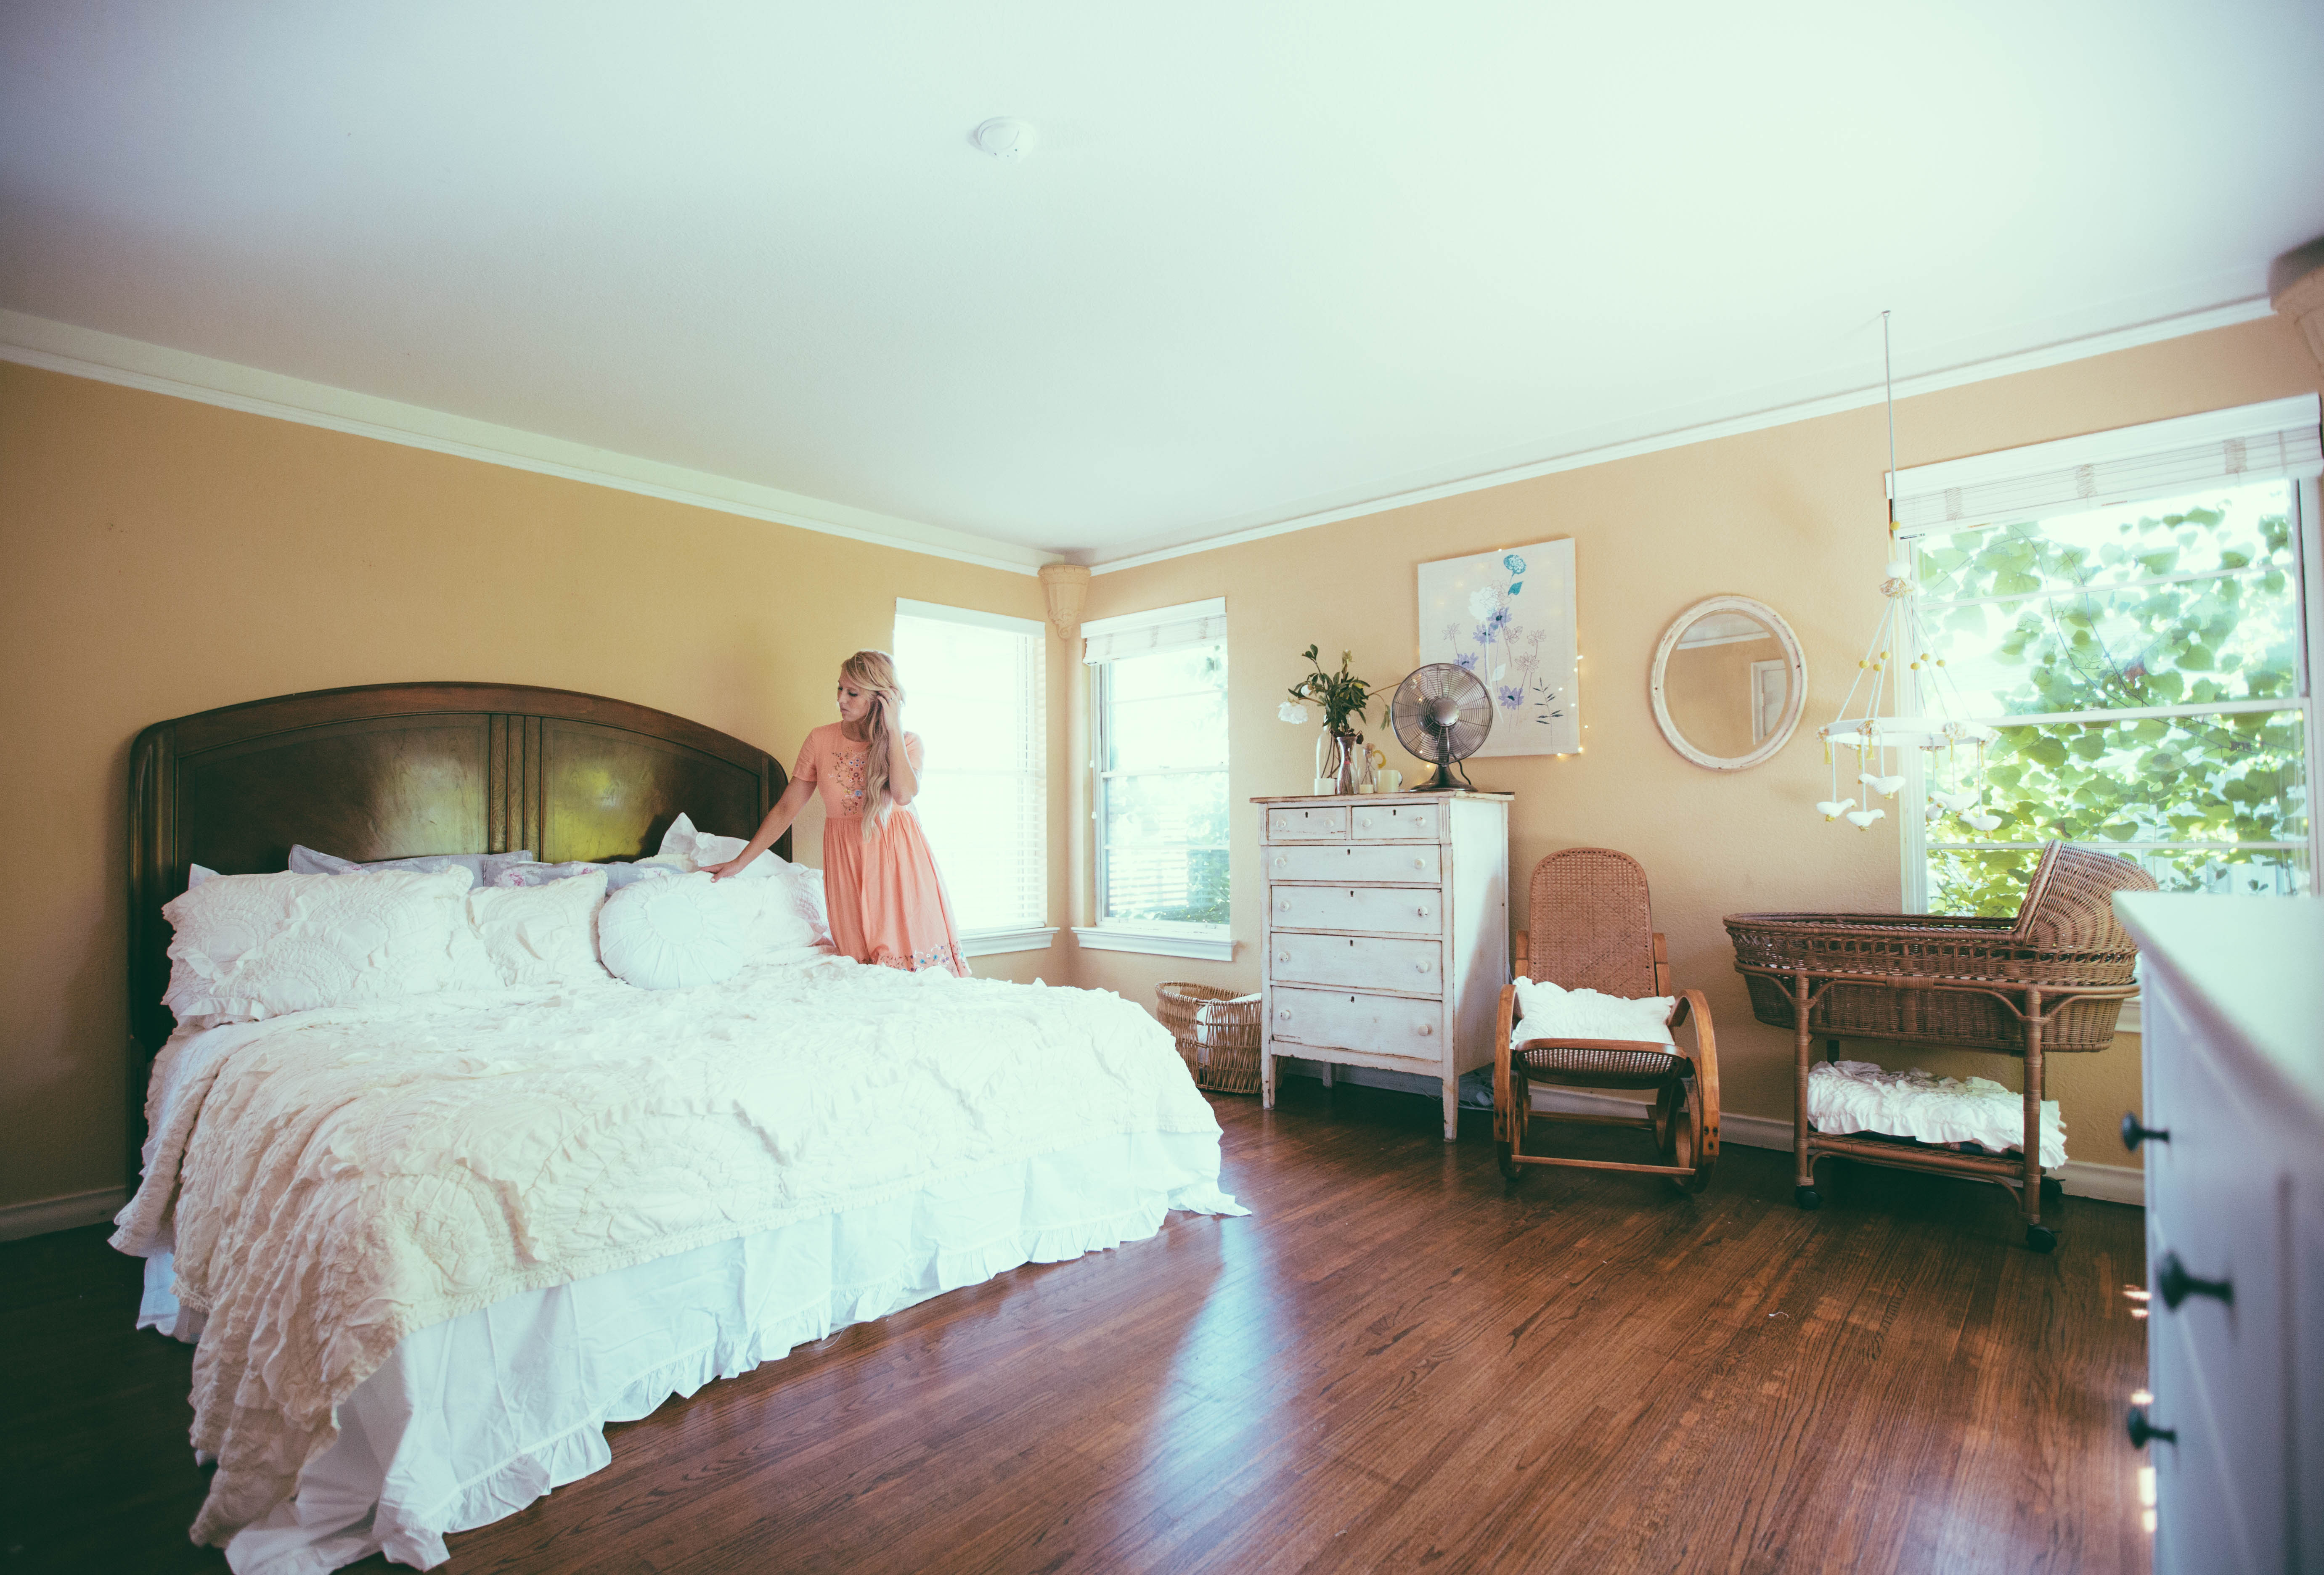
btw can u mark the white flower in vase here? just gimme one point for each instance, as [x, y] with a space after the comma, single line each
[1291, 711]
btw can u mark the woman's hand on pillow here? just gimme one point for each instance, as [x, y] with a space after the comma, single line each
[721, 872]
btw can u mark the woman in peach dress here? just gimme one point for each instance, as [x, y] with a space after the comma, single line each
[886, 902]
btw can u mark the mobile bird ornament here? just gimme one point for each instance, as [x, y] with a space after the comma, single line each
[1902, 698]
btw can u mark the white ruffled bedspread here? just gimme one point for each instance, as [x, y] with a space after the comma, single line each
[1857, 1096]
[337, 1179]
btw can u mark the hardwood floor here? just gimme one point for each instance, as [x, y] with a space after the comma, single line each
[1394, 1363]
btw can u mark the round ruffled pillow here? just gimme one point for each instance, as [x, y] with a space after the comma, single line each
[672, 934]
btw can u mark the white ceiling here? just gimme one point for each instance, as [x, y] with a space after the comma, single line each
[1266, 260]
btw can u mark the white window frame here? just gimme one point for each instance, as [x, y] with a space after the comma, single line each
[1106, 640]
[1040, 935]
[2126, 465]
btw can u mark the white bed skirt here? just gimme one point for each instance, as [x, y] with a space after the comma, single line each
[472, 1420]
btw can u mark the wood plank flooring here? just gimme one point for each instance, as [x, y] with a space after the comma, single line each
[1396, 1363]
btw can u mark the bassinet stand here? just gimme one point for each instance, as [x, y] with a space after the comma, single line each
[2022, 1173]
[2062, 968]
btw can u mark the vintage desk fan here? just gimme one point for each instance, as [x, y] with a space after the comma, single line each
[1442, 714]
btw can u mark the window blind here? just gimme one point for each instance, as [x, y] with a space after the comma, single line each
[1189, 624]
[2158, 459]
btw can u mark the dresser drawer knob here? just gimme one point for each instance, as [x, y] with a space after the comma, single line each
[1420, 967]
[1420, 864]
[1421, 910]
[2176, 1284]
[1283, 956]
[1425, 1029]
[2134, 1134]
[1282, 1014]
[2143, 1432]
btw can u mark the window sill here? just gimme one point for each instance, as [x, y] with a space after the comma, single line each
[993, 943]
[1156, 942]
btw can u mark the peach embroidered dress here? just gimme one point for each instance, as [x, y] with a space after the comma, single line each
[886, 902]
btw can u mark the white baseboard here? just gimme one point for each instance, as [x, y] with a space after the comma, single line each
[2112, 1183]
[18, 1220]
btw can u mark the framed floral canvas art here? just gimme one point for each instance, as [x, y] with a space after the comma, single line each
[1508, 617]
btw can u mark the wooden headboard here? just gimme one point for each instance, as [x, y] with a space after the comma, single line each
[388, 770]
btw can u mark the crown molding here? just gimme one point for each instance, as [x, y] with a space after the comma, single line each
[78, 352]
[2058, 355]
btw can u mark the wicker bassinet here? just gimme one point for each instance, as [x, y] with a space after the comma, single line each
[1217, 1035]
[1935, 980]
[2052, 978]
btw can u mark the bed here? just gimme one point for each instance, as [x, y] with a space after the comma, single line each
[428, 1247]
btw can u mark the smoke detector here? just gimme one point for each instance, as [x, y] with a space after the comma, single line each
[1005, 137]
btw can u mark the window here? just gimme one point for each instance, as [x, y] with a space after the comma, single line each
[2147, 662]
[974, 690]
[1158, 682]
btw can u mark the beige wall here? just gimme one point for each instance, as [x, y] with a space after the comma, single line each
[1791, 516]
[163, 556]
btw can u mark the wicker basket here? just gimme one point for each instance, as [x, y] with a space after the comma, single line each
[1938, 980]
[1217, 1034]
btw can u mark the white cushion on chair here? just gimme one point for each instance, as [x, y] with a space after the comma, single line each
[1546, 1011]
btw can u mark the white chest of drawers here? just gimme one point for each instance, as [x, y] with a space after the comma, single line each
[1387, 933]
[2233, 1054]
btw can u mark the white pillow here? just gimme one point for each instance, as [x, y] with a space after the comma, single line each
[306, 861]
[672, 934]
[617, 875]
[806, 894]
[1546, 1012]
[543, 934]
[787, 922]
[254, 946]
[691, 850]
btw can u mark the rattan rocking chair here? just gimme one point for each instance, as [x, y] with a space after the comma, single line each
[1593, 927]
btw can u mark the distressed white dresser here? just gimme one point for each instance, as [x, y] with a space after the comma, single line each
[1387, 933]
[2233, 1137]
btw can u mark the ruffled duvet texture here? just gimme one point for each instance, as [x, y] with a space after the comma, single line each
[1856, 1096]
[335, 1180]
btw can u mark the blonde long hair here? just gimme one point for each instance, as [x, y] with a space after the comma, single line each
[874, 673]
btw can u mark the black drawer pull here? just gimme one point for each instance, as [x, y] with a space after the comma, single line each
[2132, 1134]
[2142, 1432]
[2176, 1284]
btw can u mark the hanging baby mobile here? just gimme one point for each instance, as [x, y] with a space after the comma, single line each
[1910, 701]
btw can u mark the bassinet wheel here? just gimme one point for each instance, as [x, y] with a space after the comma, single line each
[1807, 1197]
[2041, 1238]
[1506, 1153]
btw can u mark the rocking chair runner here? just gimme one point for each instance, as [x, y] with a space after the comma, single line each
[1593, 927]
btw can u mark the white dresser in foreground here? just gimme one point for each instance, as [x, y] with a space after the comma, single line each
[1387, 933]
[2234, 1143]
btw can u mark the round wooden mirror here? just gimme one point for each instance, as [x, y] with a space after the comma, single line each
[1729, 682]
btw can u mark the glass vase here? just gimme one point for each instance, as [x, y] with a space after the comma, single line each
[1340, 758]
